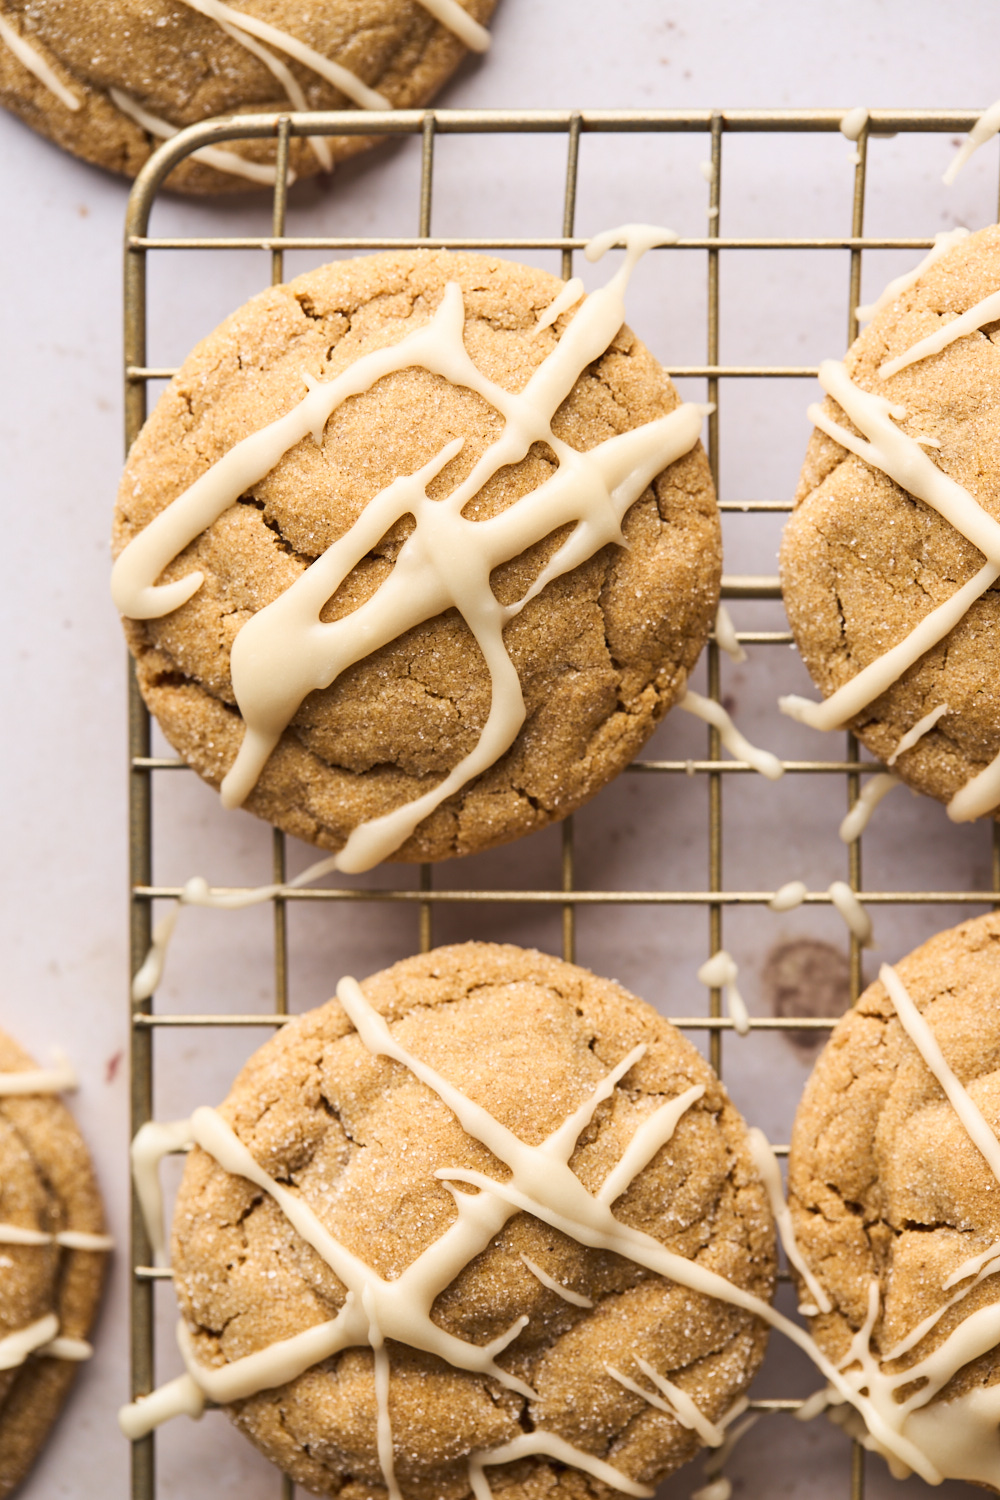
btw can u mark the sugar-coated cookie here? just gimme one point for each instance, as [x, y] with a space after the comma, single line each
[890, 559]
[474, 1067]
[52, 1254]
[894, 1181]
[333, 410]
[111, 79]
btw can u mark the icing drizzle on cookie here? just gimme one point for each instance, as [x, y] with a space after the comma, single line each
[285, 651]
[956, 1438]
[540, 1183]
[340, 77]
[566, 1293]
[895, 288]
[903, 459]
[59, 1079]
[912, 736]
[232, 22]
[213, 156]
[670, 1398]
[35, 63]
[986, 311]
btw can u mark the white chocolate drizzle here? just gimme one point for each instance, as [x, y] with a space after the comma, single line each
[550, 1445]
[737, 744]
[567, 298]
[912, 736]
[858, 921]
[923, 1038]
[854, 122]
[15, 1347]
[895, 288]
[957, 1438]
[874, 789]
[278, 69]
[670, 1399]
[42, 1337]
[789, 895]
[69, 1239]
[153, 1141]
[212, 156]
[565, 1292]
[456, 19]
[35, 63]
[648, 1137]
[766, 1163]
[986, 311]
[64, 1347]
[284, 652]
[903, 460]
[721, 972]
[984, 130]
[55, 1080]
[725, 635]
[851, 126]
[197, 892]
[341, 78]
[541, 1183]
[719, 1488]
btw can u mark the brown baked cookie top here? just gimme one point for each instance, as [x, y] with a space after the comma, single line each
[601, 653]
[863, 561]
[137, 70]
[360, 1139]
[890, 1196]
[46, 1186]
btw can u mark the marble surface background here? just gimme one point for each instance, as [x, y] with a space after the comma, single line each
[63, 851]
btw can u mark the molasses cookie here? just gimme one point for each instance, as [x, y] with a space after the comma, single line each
[111, 83]
[894, 1182]
[890, 561]
[438, 547]
[51, 1261]
[484, 1220]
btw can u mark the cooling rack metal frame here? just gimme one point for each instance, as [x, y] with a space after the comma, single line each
[428, 125]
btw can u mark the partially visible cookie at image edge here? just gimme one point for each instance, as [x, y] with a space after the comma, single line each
[108, 81]
[896, 1208]
[864, 562]
[47, 1189]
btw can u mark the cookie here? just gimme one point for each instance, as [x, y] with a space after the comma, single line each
[897, 508]
[414, 1330]
[51, 1261]
[417, 690]
[109, 87]
[894, 1180]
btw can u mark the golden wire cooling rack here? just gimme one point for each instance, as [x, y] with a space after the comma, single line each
[428, 896]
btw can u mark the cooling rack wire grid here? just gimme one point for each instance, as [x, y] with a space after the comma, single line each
[425, 898]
